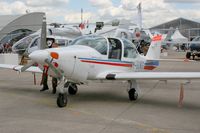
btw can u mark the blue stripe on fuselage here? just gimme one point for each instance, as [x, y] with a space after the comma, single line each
[152, 63]
[109, 60]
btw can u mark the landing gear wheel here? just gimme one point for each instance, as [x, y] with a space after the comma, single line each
[62, 100]
[188, 54]
[72, 90]
[133, 95]
[193, 57]
[54, 85]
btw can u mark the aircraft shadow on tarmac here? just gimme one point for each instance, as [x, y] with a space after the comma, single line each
[100, 97]
[104, 96]
[117, 98]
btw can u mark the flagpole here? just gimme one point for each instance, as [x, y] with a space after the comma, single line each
[139, 7]
[81, 15]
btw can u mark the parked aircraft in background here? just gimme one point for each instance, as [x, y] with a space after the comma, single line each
[195, 44]
[194, 48]
[61, 36]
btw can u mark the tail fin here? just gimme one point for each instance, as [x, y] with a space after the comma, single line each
[155, 48]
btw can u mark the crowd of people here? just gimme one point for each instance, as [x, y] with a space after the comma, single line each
[5, 48]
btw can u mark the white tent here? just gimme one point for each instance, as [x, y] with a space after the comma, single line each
[177, 37]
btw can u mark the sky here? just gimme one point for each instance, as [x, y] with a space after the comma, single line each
[154, 12]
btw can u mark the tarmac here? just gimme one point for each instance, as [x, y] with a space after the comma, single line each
[101, 107]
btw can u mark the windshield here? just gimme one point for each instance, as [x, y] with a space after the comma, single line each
[36, 42]
[196, 39]
[24, 43]
[129, 49]
[97, 42]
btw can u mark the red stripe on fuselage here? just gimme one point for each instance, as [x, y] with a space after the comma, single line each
[108, 63]
[149, 67]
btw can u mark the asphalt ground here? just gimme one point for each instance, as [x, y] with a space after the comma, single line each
[101, 107]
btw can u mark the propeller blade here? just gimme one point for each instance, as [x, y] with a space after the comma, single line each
[54, 69]
[25, 67]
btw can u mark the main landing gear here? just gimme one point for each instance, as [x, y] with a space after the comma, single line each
[133, 95]
[72, 89]
[132, 92]
[62, 96]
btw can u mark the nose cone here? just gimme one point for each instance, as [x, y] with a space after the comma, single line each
[39, 56]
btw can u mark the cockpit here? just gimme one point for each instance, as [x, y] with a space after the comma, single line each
[23, 44]
[114, 48]
[97, 42]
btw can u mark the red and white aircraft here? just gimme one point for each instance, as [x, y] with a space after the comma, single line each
[94, 57]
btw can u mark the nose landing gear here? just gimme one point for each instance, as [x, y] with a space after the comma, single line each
[62, 100]
[62, 97]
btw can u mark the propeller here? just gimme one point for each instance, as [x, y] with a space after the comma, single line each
[58, 72]
[25, 67]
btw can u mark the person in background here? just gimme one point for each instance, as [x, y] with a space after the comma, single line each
[54, 80]
[1, 48]
[44, 79]
[51, 44]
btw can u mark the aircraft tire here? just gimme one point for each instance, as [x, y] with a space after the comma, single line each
[188, 54]
[62, 100]
[72, 90]
[133, 95]
[193, 57]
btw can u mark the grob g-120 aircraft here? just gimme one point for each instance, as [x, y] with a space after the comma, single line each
[90, 58]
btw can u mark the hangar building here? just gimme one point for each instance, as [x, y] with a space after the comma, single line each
[15, 27]
[188, 28]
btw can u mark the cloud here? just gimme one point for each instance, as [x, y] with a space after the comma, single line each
[129, 5]
[40, 3]
[153, 11]
[16, 7]
[19, 7]
[182, 1]
[74, 17]
[101, 3]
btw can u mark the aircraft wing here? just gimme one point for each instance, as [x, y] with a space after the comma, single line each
[176, 60]
[150, 75]
[107, 31]
[176, 42]
[33, 69]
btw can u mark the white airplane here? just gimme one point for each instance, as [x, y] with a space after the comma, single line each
[62, 36]
[91, 58]
[32, 42]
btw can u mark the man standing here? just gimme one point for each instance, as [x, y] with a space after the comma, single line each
[45, 74]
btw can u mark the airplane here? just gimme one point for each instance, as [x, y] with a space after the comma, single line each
[194, 48]
[61, 36]
[92, 57]
[32, 42]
